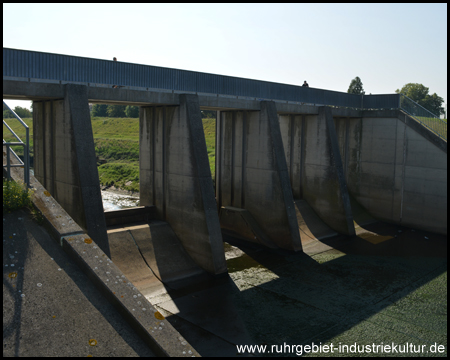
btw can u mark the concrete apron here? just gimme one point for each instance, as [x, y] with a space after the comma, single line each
[149, 323]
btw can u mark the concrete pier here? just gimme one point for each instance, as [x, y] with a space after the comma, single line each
[251, 174]
[175, 177]
[65, 159]
[316, 171]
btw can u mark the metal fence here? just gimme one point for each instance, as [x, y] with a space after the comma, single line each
[65, 68]
[26, 150]
[425, 117]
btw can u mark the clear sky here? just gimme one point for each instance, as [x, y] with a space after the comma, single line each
[386, 45]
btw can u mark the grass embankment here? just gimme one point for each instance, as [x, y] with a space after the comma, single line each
[117, 142]
[439, 126]
[20, 131]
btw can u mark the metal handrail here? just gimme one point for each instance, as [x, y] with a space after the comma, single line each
[423, 116]
[26, 149]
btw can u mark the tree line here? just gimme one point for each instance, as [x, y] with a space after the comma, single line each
[416, 92]
[120, 111]
[20, 111]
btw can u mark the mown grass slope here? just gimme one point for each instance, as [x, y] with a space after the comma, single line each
[116, 141]
[20, 131]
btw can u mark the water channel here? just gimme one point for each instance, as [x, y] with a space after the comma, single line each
[114, 201]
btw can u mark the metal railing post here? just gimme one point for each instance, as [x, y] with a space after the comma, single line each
[26, 156]
[8, 162]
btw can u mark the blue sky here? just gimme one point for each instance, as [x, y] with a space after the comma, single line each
[386, 45]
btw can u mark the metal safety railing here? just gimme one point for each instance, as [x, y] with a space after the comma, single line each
[422, 115]
[26, 150]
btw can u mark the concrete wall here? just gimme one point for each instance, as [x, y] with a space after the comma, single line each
[251, 174]
[396, 169]
[176, 178]
[65, 162]
[315, 167]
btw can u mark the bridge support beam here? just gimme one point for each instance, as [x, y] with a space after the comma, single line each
[65, 162]
[316, 170]
[175, 177]
[252, 181]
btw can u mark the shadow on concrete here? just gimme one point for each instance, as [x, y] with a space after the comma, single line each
[272, 296]
[13, 291]
[339, 283]
[18, 245]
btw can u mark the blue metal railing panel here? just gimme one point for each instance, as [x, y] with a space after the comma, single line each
[383, 101]
[39, 65]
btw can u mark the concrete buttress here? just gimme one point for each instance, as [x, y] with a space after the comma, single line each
[323, 183]
[175, 177]
[65, 162]
[252, 183]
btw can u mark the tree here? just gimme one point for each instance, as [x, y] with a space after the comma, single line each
[116, 111]
[419, 94]
[22, 112]
[100, 110]
[132, 111]
[7, 114]
[356, 87]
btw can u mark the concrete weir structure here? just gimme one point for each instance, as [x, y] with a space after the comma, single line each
[286, 171]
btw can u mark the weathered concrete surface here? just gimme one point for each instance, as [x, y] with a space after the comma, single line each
[175, 177]
[395, 170]
[50, 307]
[129, 215]
[65, 162]
[156, 247]
[106, 276]
[311, 226]
[19, 89]
[315, 167]
[251, 172]
[240, 223]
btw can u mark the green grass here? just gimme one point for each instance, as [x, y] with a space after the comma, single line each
[115, 128]
[17, 127]
[209, 126]
[116, 149]
[119, 174]
[116, 140]
[439, 126]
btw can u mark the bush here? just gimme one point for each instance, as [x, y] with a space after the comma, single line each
[15, 196]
